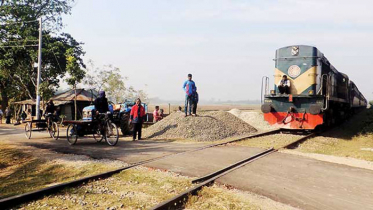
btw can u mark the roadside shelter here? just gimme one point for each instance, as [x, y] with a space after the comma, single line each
[65, 101]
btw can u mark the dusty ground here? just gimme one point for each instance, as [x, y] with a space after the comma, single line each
[298, 181]
[138, 188]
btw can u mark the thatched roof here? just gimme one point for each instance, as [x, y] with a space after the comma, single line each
[66, 97]
[81, 95]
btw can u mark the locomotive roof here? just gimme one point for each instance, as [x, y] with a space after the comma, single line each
[306, 51]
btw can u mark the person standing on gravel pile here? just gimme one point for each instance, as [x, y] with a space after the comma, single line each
[190, 89]
[137, 116]
[195, 102]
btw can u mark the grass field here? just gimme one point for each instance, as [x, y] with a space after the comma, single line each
[353, 138]
[22, 171]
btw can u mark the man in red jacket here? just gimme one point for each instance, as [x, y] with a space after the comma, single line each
[137, 117]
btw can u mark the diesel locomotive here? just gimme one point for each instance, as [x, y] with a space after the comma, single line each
[319, 94]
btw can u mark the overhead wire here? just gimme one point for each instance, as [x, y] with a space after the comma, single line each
[24, 40]
[17, 41]
[55, 57]
[17, 22]
[10, 46]
[20, 22]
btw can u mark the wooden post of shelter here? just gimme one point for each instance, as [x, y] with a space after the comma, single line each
[76, 109]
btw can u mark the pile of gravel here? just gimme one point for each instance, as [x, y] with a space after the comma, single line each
[208, 126]
[255, 119]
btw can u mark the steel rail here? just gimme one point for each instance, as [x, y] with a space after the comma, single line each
[179, 200]
[34, 195]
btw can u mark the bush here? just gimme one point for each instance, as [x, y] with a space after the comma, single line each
[371, 103]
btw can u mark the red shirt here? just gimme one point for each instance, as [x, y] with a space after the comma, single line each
[156, 115]
[135, 112]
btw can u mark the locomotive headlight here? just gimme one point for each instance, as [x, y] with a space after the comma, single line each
[273, 92]
[310, 92]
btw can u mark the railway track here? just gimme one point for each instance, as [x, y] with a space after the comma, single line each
[34, 195]
[179, 201]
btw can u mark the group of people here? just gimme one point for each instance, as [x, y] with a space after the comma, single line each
[8, 115]
[137, 114]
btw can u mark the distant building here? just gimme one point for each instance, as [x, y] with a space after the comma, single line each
[65, 101]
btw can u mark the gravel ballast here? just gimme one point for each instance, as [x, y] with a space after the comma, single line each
[208, 126]
[253, 118]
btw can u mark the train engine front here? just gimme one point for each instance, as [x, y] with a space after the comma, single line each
[313, 82]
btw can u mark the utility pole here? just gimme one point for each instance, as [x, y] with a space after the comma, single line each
[39, 71]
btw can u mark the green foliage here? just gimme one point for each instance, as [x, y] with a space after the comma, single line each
[371, 104]
[18, 28]
[73, 68]
[110, 79]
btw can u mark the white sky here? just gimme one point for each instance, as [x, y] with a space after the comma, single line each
[227, 45]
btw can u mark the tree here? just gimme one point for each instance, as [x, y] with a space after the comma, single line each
[109, 79]
[19, 28]
[76, 74]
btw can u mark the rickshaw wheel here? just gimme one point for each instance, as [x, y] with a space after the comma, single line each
[97, 136]
[54, 131]
[28, 130]
[111, 134]
[72, 134]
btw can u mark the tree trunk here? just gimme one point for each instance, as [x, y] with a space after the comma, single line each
[4, 99]
[76, 110]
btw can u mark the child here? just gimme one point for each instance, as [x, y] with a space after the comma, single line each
[160, 114]
[195, 102]
[156, 116]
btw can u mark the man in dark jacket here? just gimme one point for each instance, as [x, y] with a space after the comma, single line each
[50, 107]
[101, 103]
[137, 117]
[101, 106]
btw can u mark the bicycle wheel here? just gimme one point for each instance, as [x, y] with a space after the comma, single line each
[54, 131]
[28, 130]
[111, 134]
[72, 134]
[97, 136]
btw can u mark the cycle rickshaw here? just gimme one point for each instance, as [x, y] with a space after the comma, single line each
[101, 127]
[49, 124]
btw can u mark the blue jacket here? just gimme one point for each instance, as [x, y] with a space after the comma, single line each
[189, 87]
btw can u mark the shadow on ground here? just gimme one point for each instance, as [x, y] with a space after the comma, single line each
[359, 124]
